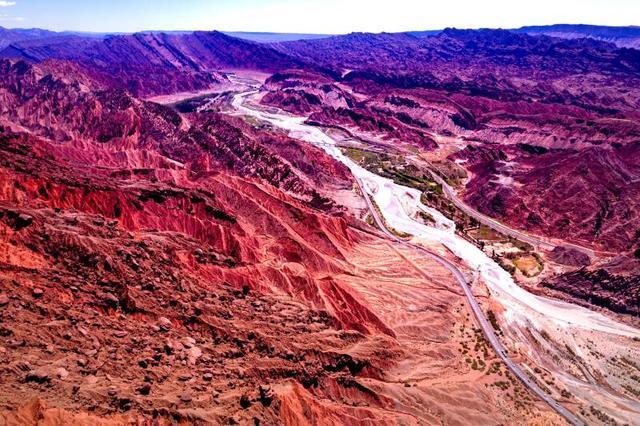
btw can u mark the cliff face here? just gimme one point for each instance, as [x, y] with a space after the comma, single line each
[198, 267]
[156, 251]
[194, 268]
[155, 64]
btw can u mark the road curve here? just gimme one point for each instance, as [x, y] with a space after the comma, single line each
[480, 317]
[497, 226]
[477, 311]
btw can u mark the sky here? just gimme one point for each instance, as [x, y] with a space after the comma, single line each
[309, 16]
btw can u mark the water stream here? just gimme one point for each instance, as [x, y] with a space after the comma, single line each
[399, 205]
[571, 326]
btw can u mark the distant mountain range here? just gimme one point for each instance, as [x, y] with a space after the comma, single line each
[621, 36]
[274, 37]
[153, 63]
[8, 36]
[13, 35]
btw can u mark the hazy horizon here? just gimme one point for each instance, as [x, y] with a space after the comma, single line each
[307, 16]
[300, 33]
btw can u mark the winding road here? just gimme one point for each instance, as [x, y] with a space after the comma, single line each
[535, 241]
[478, 313]
[317, 137]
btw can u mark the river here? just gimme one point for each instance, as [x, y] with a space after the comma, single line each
[571, 325]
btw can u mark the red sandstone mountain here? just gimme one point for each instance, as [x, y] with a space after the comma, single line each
[133, 214]
[573, 102]
[155, 63]
[547, 129]
[192, 267]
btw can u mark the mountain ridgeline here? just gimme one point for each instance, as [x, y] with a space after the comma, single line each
[166, 257]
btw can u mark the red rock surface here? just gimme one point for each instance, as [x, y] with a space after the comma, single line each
[558, 117]
[155, 63]
[546, 128]
[107, 241]
[194, 269]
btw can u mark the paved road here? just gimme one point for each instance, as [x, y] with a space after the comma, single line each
[497, 226]
[480, 317]
[478, 313]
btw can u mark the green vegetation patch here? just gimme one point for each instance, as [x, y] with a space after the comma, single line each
[483, 232]
[529, 265]
[365, 158]
[393, 167]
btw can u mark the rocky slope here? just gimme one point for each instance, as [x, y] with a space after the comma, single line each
[9, 36]
[586, 195]
[149, 64]
[546, 129]
[620, 36]
[547, 108]
[193, 268]
[157, 299]
[153, 224]
[617, 292]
